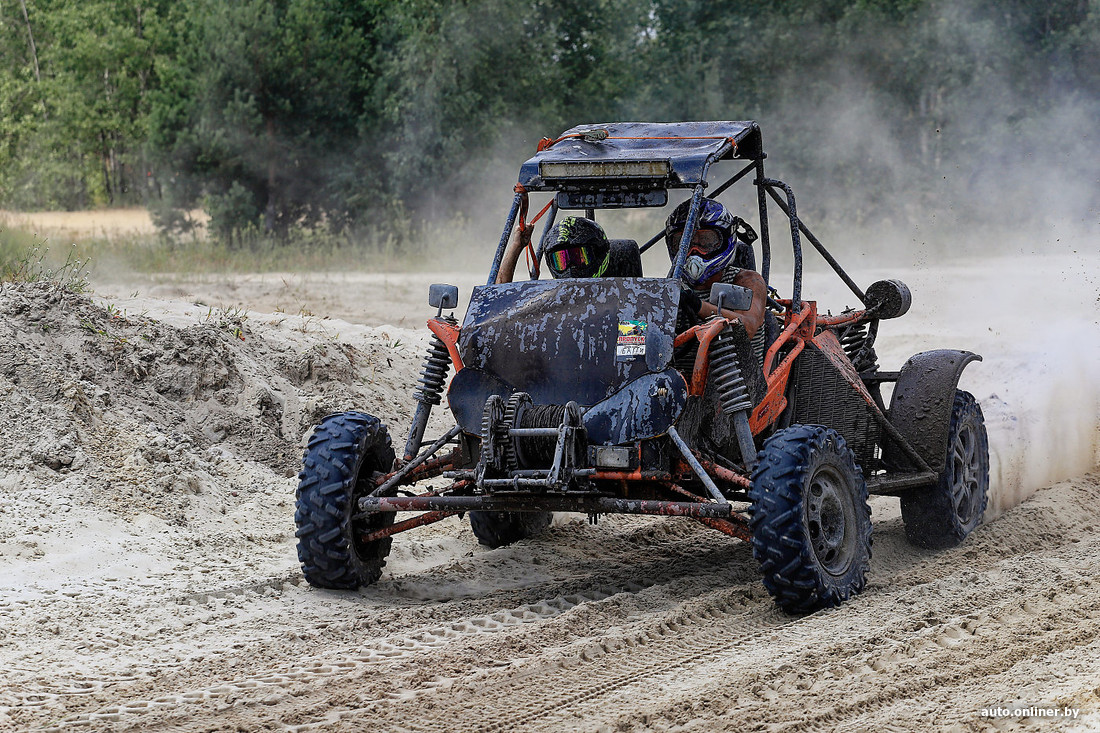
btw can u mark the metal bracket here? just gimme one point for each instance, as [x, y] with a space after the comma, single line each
[692, 461]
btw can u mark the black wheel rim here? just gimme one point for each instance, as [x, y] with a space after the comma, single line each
[830, 519]
[966, 472]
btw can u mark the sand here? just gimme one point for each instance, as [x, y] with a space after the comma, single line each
[148, 578]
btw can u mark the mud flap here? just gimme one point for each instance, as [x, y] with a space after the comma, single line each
[920, 407]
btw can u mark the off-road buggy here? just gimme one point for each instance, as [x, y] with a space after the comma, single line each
[581, 396]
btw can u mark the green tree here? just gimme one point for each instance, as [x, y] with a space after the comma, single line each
[259, 110]
[341, 113]
[462, 86]
[75, 104]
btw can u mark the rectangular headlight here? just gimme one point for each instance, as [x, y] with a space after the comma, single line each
[605, 169]
[612, 457]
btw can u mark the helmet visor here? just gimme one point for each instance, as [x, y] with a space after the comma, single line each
[561, 260]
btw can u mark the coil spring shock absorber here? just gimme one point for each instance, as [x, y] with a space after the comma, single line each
[433, 377]
[733, 393]
[732, 390]
[858, 342]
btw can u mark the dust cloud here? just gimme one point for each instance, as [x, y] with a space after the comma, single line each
[1044, 409]
[1035, 321]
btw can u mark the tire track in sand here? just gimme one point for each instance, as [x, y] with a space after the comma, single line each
[685, 654]
[680, 548]
[704, 633]
[606, 668]
[425, 640]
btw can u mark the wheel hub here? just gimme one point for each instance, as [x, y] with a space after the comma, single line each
[830, 521]
[965, 472]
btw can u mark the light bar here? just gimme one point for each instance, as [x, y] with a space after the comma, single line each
[605, 169]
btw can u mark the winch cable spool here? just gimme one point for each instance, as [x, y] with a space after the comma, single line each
[517, 404]
[492, 447]
[537, 451]
[733, 393]
[501, 452]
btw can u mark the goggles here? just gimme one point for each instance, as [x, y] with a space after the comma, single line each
[704, 241]
[561, 260]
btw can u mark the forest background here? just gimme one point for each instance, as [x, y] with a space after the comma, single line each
[368, 119]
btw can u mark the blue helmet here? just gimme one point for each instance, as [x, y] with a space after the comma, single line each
[706, 258]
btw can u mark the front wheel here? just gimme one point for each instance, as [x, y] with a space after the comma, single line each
[811, 524]
[343, 453]
[943, 515]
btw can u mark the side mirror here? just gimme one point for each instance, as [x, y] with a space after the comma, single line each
[443, 296]
[889, 298]
[731, 297]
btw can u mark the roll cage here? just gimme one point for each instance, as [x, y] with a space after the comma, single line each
[633, 164]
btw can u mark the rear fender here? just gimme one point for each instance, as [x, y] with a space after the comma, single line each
[920, 407]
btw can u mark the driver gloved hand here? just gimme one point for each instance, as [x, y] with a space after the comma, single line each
[689, 300]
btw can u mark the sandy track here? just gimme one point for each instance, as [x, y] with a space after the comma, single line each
[688, 640]
[150, 580]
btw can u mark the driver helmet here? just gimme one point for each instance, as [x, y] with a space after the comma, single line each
[577, 247]
[715, 242]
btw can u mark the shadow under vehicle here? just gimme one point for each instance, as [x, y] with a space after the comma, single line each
[579, 395]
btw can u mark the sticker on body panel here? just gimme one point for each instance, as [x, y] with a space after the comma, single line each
[631, 340]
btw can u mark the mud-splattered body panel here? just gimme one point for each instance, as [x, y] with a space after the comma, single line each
[579, 340]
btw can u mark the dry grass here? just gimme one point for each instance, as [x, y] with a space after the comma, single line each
[77, 225]
[81, 224]
[121, 242]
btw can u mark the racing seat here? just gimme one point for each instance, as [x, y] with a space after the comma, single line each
[626, 259]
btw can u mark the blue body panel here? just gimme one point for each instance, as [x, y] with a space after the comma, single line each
[687, 146]
[605, 343]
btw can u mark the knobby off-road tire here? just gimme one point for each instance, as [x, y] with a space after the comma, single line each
[811, 524]
[497, 529]
[943, 515]
[343, 452]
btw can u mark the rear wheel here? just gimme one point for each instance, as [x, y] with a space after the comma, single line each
[496, 529]
[811, 522]
[943, 515]
[343, 453]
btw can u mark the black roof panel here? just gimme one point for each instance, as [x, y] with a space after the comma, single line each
[687, 146]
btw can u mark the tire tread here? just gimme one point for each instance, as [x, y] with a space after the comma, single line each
[336, 453]
[791, 574]
[929, 516]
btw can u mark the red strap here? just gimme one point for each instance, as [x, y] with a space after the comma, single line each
[544, 210]
[522, 206]
[529, 252]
